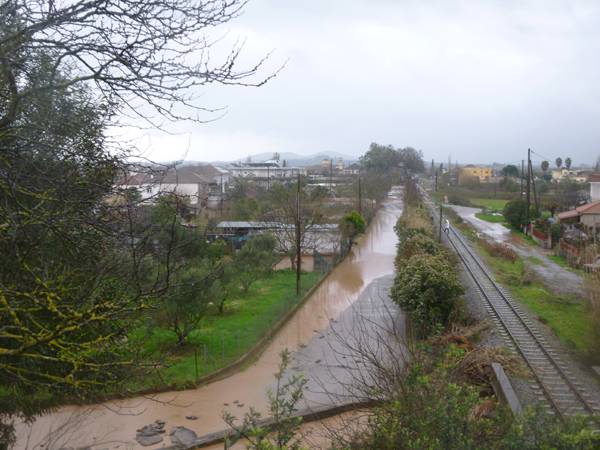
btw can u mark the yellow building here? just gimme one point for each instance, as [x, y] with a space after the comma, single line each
[469, 172]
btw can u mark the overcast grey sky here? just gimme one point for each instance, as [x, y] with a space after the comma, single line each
[480, 80]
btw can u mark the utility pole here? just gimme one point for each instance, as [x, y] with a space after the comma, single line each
[330, 174]
[436, 181]
[528, 190]
[522, 175]
[535, 197]
[298, 238]
[359, 197]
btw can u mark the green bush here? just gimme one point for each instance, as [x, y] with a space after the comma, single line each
[515, 213]
[352, 224]
[426, 286]
[418, 244]
[555, 232]
[413, 221]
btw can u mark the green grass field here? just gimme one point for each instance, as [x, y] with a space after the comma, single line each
[220, 339]
[494, 204]
[493, 218]
[566, 316]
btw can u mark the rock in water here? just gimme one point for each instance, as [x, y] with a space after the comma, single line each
[183, 436]
[150, 434]
[147, 440]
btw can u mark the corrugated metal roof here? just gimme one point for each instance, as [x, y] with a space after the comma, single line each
[271, 225]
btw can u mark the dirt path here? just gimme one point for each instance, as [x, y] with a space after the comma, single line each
[558, 278]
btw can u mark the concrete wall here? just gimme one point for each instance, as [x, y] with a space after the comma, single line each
[590, 219]
[595, 190]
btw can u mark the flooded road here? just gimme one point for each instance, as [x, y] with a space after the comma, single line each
[113, 425]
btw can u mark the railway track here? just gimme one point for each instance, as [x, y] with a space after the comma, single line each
[555, 384]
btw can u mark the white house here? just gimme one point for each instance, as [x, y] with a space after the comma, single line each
[203, 185]
[559, 175]
[594, 180]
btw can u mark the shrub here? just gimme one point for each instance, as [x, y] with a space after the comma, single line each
[351, 225]
[458, 199]
[515, 213]
[431, 410]
[413, 221]
[555, 232]
[426, 286]
[418, 244]
[499, 249]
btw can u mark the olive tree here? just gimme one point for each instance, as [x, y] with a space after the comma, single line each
[76, 266]
[255, 260]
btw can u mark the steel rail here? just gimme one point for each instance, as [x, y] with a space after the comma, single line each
[511, 332]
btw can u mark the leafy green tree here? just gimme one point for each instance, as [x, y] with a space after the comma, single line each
[412, 159]
[515, 212]
[380, 158]
[255, 260]
[510, 171]
[187, 301]
[351, 225]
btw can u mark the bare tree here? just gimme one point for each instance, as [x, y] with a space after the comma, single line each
[134, 52]
[295, 217]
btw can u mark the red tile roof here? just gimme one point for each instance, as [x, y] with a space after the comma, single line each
[588, 208]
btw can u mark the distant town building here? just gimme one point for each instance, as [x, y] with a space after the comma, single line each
[580, 176]
[202, 185]
[470, 172]
[264, 171]
[594, 180]
[352, 169]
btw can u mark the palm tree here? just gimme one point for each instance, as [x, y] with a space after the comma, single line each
[568, 163]
[558, 162]
[545, 165]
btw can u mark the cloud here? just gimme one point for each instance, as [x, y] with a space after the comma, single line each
[480, 80]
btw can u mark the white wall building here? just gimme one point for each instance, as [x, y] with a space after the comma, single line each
[268, 170]
[559, 175]
[202, 185]
[594, 186]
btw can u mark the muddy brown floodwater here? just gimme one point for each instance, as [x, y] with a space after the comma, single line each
[113, 425]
